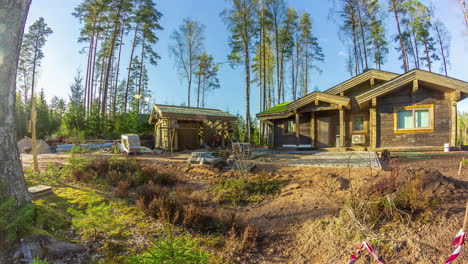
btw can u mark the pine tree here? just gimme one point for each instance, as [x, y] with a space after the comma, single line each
[243, 25]
[397, 7]
[443, 40]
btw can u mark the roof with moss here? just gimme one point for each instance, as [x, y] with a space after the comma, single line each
[189, 113]
[276, 109]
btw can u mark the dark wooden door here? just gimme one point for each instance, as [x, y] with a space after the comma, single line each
[323, 132]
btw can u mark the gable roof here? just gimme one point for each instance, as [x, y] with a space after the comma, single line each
[188, 113]
[287, 109]
[328, 98]
[416, 74]
[361, 78]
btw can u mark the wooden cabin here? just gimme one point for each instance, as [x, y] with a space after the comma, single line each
[179, 128]
[377, 110]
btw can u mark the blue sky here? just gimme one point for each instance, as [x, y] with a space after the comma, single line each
[62, 56]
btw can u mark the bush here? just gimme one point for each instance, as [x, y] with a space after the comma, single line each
[97, 219]
[172, 250]
[14, 221]
[241, 191]
[39, 261]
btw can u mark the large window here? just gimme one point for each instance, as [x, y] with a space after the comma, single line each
[289, 127]
[414, 119]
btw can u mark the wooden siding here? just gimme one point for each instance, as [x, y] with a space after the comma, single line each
[403, 97]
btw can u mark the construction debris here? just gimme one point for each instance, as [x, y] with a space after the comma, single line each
[26, 143]
[40, 191]
[131, 143]
[206, 158]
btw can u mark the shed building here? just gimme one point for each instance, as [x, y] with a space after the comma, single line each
[178, 128]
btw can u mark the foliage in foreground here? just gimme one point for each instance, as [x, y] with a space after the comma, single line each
[172, 250]
[14, 221]
[98, 218]
[241, 191]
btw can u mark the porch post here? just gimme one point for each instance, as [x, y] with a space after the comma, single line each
[373, 124]
[453, 123]
[297, 128]
[312, 129]
[342, 127]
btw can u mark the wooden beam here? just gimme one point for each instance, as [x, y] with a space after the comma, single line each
[373, 126]
[372, 83]
[298, 128]
[342, 127]
[453, 123]
[316, 102]
[413, 91]
[312, 129]
[456, 96]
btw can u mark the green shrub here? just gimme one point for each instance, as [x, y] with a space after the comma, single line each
[242, 191]
[39, 261]
[14, 221]
[172, 250]
[97, 219]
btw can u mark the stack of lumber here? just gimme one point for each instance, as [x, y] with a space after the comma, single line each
[40, 191]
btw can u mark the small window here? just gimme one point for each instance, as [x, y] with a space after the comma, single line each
[413, 119]
[358, 122]
[289, 127]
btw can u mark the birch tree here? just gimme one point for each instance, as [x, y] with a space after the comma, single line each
[187, 46]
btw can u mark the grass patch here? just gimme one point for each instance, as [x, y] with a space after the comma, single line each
[229, 192]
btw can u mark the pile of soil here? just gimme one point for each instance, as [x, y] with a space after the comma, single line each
[41, 147]
[427, 180]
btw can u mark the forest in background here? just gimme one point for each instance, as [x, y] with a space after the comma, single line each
[273, 42]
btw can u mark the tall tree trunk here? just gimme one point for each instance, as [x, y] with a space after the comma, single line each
[364, 45]
[92, 88]
[109, 60]
[416, 50]
[141, 73]
[428, 58]
[247, 91]
[130, 67]
[400, 36]
[442, 51]
[306, 81]
[465, 11]
[198, 88]
[12, 21]
[34, 115]
[114, 106]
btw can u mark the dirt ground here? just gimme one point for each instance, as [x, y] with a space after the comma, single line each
[312, 193]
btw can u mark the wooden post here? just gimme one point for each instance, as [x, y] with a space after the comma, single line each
[372, 83]
[373, 123]
[33, 134]
[453, 123]
[342, 127]
[465, 221]
[312, 129]
[298, 127]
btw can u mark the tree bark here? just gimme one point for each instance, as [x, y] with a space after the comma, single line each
[12, 21]
[442, 50]
[141, 73]
[130, 67]
[247, 91]
[400, 36]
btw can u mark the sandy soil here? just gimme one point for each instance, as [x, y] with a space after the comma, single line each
[312, 193]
